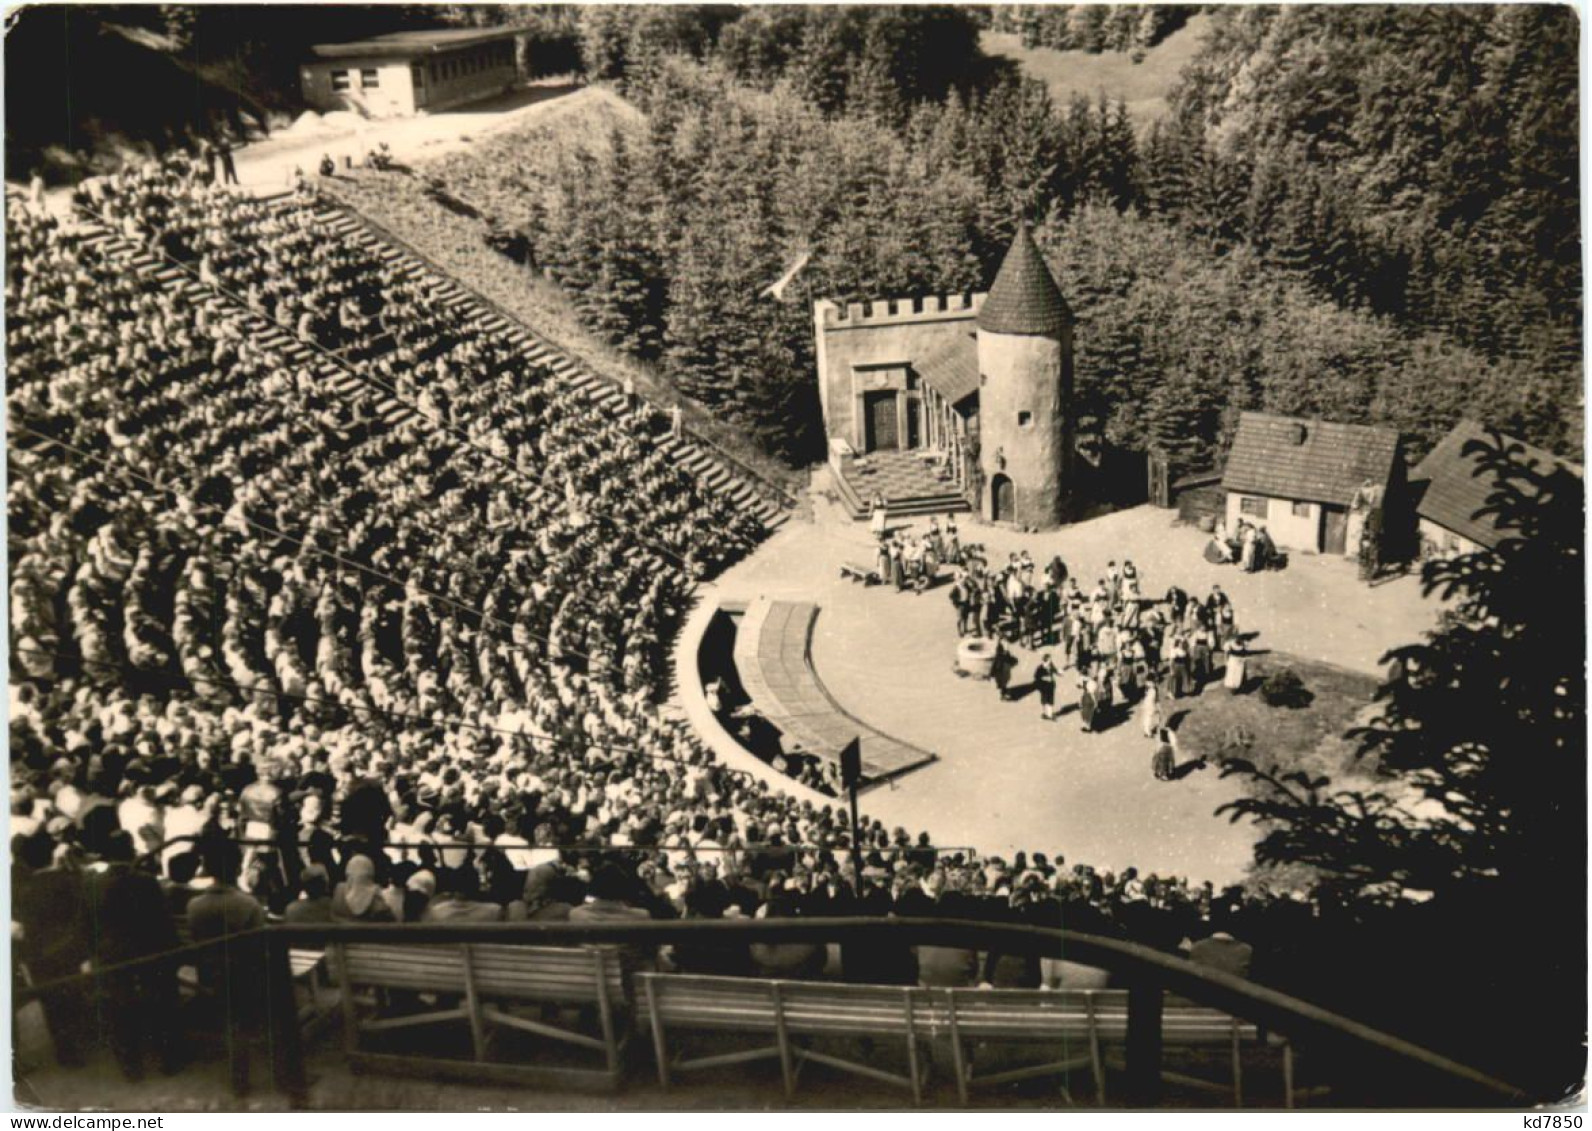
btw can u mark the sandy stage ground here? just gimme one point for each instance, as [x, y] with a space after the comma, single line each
[1006, 779]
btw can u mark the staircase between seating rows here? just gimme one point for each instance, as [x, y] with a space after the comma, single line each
[392, 411]
[474, 310]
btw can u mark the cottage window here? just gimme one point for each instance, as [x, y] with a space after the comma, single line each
[340, 80]
[369, 78]
[1301, 510]
[1255, 508]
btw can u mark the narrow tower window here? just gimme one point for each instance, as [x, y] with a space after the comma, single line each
[1024, 419]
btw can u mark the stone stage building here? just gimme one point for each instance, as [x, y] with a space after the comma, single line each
[947, 403]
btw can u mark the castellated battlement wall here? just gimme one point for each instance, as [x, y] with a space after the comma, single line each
[896, 311]
[888, 332]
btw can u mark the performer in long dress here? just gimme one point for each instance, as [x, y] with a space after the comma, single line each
[880, 519]
[1220, 543]
[1088, 703]
[1150, 708]
[1164, 760]
[1001, 670]
[1177, 655]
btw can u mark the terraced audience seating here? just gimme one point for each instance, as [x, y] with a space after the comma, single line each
[467, 485]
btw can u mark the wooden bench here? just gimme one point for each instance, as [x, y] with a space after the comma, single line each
[855, 571]
[1184, 1026]
[309, 971]
[1094, 1019]
[1081, 1024]
[791, 1014]
[479, 984]
[1076, 1020]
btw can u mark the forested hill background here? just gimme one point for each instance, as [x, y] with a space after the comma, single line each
[1367, 213]
[1364, 213]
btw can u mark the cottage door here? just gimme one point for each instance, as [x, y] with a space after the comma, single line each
[1335, 530]
[1160, 486]
[884, 431]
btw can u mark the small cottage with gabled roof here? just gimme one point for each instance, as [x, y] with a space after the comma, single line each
[1451, 490]
[1310, 482]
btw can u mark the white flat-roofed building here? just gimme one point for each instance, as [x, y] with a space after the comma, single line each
[410, 72]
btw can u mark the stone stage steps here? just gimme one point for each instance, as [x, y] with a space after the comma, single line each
[908, 485]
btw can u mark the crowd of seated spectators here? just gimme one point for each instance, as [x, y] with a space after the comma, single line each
[251, 608]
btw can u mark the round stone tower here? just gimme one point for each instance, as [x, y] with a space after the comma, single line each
[1025, 392]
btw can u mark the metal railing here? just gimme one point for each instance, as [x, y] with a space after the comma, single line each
[342, 841]
[1147, 973]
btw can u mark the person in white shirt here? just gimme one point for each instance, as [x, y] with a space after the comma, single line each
[187, 819]
[138, 811]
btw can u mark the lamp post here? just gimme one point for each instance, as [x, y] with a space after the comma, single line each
[850, 776]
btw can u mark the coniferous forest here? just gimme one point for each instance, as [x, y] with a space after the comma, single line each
[1364, 213]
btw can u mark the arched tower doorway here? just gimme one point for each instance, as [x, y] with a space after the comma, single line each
[1002, 499]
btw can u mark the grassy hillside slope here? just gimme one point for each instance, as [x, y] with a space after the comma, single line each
[1143, 86]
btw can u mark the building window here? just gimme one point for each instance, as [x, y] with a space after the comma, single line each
[418, 75]
[369, 78]
[339, 80]
[1025, 419]
[1301, 510]
[1255, 508]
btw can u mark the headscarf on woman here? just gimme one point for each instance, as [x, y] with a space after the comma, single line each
[357, 898]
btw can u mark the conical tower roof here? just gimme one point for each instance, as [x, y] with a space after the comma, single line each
[1024, 298]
